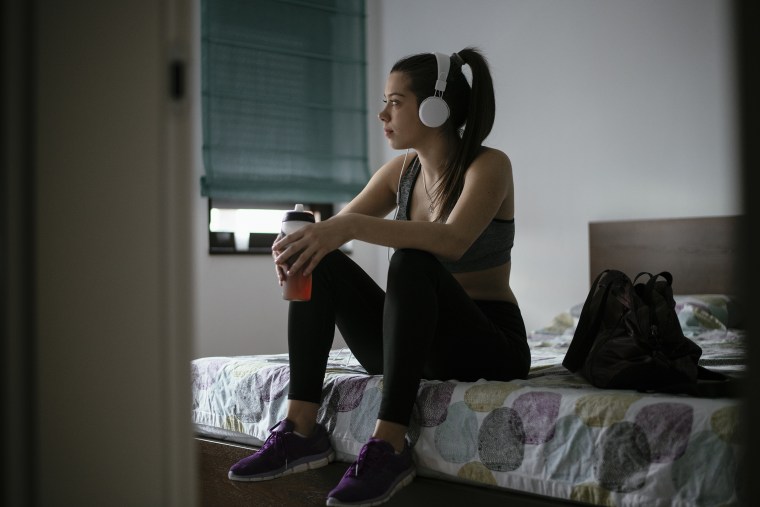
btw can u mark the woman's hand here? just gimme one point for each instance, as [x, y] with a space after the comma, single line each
[301, 251]
[278, 268]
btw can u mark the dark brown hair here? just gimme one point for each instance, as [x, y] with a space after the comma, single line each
[472, 112]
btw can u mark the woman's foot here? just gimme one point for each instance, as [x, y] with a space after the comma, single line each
[285, 453]
[375, 476]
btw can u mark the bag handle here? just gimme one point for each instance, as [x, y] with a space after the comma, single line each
[647, 297]
[653, 278]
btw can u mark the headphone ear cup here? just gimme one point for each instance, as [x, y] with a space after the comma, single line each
[434, 111]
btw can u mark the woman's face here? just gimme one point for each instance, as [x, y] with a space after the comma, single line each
[401, 122]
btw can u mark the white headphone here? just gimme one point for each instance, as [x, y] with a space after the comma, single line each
[434, 111]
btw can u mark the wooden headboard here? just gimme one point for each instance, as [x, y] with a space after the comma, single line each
[701, 253]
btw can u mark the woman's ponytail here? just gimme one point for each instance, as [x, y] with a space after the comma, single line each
[479, 114]
[481, 110]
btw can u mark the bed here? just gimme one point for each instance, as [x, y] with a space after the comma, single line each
[547, 440]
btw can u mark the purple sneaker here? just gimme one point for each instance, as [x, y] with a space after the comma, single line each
[285, 453]
[375, 476]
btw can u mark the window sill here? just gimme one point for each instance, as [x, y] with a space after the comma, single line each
[223, 243]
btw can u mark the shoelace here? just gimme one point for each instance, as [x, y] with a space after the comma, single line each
[277, 441]
[370, 455]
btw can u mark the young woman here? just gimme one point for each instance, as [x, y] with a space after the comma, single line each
[448, 311]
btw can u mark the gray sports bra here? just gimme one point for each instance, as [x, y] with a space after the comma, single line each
[492, 248]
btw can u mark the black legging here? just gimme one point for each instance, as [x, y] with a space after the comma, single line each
[425, 326]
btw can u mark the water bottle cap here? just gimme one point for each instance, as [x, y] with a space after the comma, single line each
[298, 214]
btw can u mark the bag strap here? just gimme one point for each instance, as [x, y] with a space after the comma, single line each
[587, 328]
[709, 384]
[713, 384]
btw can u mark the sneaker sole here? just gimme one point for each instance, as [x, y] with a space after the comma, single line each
[301, 467]
[405, 481]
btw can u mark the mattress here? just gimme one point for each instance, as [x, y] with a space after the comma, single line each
[552, 434]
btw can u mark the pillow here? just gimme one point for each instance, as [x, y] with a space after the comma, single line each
[696, 313]
[708, 311]
[563, 324]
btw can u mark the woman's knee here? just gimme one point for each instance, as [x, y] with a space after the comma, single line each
[409, 260]
[330, 263]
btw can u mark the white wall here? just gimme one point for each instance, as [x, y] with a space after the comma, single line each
[609, 109]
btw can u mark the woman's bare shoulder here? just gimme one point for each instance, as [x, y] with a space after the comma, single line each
[492, 156]
[492, 162]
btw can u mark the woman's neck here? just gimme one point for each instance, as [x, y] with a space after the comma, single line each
[434, 156]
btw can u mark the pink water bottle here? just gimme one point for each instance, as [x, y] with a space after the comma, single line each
[296, 287]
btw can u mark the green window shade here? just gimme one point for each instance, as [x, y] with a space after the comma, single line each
[284, 101]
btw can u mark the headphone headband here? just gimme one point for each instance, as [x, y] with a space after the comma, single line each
[444, 64]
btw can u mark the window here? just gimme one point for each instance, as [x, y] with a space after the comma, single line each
[243, 227]
[283, 100]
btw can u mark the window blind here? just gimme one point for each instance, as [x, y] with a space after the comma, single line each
[283, 99]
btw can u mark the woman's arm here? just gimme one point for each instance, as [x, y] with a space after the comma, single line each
[487, 184]
[378, 198]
